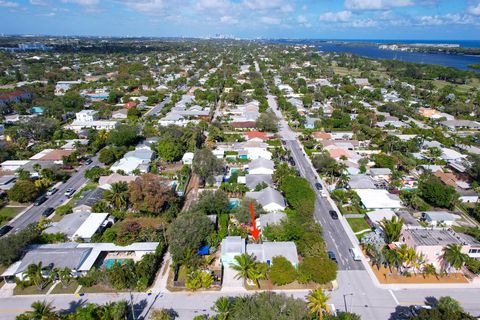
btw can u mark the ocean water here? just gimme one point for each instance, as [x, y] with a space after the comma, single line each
[369, 49]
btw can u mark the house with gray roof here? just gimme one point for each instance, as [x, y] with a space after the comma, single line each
[253, 180]
[272, 218]
[269, 198]
[437, 218]
[361, 181]
[460, 124]
[261, 166]
[266, 251]
[69, 224]
[88, 199]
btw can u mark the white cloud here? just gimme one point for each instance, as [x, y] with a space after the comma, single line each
[364, 23]
[376, 4]
[302, 19]
[268, 5]
[87, 3]
[270, 20]
[341, 16]
[447, 19]
[38, 3]
[8, 4]
[219, 5]
[228, 20]
[475, 10]
[146, 6]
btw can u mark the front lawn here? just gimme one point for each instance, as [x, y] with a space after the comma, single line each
[7, 213]
[358, 224]
[59, 289]
[30, 290]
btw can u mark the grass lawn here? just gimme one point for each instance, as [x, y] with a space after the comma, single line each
[17, 291]
[59, 289]
[98, 288]
[358, 224]
[7, 213]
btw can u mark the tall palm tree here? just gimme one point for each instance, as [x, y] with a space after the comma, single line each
[42, 310]
[65, 276]
[392, 229]
[407, 255]
[454, 257]
[118, 195]
[245, 266]
[222, 308]
[317, 302]
[34, 274]
[391, 258]
[429, 269]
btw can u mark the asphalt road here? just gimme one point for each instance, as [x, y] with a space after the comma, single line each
[34, 213]
[156, 110]
[335, 236]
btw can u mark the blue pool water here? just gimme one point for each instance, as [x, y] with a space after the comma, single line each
[233, 203]
[108, 263]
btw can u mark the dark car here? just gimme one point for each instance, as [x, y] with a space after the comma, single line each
[40, 200]
[318, 185]
[333, 214]
[88, 161]
[332, 256]
[47, 212]
[4, 230]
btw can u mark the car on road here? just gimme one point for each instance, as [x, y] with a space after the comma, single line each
[52, 191]
[40, 200]
[356, 255]
[88, 161]
[332, 256]
[284, 142]
[47, 212]
[5, 229]
[415, 309]
[333, 214]
[69, 192]
[318, 185]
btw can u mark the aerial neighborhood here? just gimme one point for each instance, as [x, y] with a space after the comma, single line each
[230, 166]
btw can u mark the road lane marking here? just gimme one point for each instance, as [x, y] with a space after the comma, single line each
[394, 297]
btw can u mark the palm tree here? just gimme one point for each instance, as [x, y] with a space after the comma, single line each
[246, 267]
[429, 269]
[454, 257]
[391, 258]
[34, 274]
[42, 311]
[392, 229]
[118, 195]
[65, 276]
[317, 302]
[433, 153]
[222, 308]
[407, 255]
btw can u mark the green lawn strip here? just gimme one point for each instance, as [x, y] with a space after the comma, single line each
[31, 290]
[98, 288]
[59, 289]
[8, 213]
[358, 224]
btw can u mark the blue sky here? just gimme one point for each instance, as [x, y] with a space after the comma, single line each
[323, 19]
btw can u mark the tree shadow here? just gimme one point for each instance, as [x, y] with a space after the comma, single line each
[401, 313]
[74, 305]
[431, 301]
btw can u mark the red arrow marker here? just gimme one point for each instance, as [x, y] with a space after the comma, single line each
[254, 231]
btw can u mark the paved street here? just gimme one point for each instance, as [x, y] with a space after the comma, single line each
[34, 213]
[156, 109]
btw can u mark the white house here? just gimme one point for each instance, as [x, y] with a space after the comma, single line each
[63, 86]
[378, 199]
[269, 198]
[438, 218]
[188, 158]
[86, 115]
[261, 166]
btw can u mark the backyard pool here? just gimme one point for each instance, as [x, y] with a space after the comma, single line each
[108, 263]
[233, 203]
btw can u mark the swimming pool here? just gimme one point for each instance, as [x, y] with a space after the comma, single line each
[108, 263]
[233, 203]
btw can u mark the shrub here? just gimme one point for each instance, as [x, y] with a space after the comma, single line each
[282, 271]
[317, 269]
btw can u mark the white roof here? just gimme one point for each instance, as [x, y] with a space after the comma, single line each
[450, 154]
[90, 226]
[378, 199]
[15, 162]
[378, 215]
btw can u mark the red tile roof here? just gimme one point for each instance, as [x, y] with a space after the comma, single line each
[256, 134]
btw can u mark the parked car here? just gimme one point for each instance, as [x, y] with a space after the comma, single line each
[415, 309]
[332, 256]
[333, 214]
[40, 200]
[318, 185]
[298, 173]
[88, 161]
[5, 229]
[69, 192]
[47, 212]
[52, 191]
[356, 255]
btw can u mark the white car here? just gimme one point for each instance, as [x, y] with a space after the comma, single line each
[323, 193]
[69, 192]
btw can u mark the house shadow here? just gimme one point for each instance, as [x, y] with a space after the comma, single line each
[407, 312]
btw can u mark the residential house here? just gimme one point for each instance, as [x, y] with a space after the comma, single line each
[121, 114]
[454, 125]
[381, 173]
[269, 198]
[261, 166]
[253, 180]
[188, 158]
[271, 219]
[88, 199]
[105, 182]
[374, 217]
[378, 199]
[439, 218]
[88, 119]
[63, 86]
[7, 98]
[266, 251]
[138, 159]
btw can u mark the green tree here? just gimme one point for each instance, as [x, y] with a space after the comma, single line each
[222, 308]
[317, 269]
[117, 195]
[170, 150]
[282, 271]
[42, 310]
[242, 211]
[453, 256]
[317, 303]
[246, 267]
[34, 274]
[123, 135]
[392, 228]
[206, 165]
[267, 122]
[212, 202]
[23, 191]
[436, 193]
[107, 156]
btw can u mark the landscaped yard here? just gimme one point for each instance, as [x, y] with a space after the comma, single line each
[98, 288]
[30, 290]
[358, 224]
[7, 213]
[384, 275]
[59, 289]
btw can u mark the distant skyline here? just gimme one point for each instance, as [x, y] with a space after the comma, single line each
[320, 19]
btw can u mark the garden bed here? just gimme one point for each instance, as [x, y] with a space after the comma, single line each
[385, 276]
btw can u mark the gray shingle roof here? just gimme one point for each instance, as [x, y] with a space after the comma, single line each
[56, 257]
[266, 251]
[267, 196]
[252, 180]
